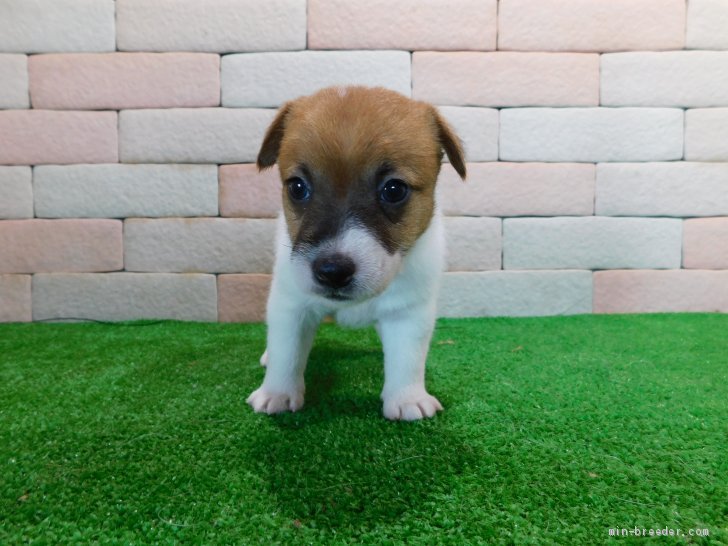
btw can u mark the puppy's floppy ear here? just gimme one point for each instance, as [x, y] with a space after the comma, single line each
[451, 143]
[268, 153]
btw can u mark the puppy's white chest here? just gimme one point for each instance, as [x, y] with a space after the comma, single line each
[357, 316]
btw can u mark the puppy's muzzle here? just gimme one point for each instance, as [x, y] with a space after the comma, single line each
[333, 271]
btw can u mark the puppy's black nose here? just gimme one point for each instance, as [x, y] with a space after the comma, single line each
[334, 270]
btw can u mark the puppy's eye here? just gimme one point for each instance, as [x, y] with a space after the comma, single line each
[394, 191]
[298, 189]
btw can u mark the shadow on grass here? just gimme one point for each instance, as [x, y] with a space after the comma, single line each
[339, 464]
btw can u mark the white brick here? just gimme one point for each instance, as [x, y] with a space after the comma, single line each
[675, 78]
[16, 192]
[14, 81]
[36, 26]
[707, 24]
[473, 244]
[591, 243]
[270, 79]
[591, 134]
[477, 128]
[516, 293]
[212, 25]
[662, 189]
[124, 296]
[119, 191]
[214, 245]
[518, 189]
[192, 135]
[706, 134]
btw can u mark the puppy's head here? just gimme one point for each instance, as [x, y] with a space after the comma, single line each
[359, 167]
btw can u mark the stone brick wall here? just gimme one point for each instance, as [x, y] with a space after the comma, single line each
[596, 135]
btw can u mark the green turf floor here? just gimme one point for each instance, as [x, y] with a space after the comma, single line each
[555, 430]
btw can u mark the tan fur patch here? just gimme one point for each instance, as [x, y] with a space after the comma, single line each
[343, 139]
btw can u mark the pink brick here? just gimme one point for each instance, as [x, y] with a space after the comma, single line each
[15, 302]
[518, 189]
[506, 79]
[242, 298]
[30, 246]
[705, 243]
[591, 25]
[245, 192]
[404, 24]
[31, 137]
[124, 80]
[651, 291]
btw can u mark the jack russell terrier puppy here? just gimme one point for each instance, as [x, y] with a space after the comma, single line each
[360, 237]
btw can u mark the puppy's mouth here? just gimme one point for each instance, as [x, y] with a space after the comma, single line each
[338, 296]
[350, 267]
[345, 293]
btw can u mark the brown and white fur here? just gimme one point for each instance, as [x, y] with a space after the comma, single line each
[360, 237]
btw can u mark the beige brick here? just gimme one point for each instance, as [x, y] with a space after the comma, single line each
[477, 128]
[213, 25]
[120, 191]
[30, 246]
[14, 78]
[214, 245]
[674, 78]
[192, 135]
[37, 26]
[32, 137]
[591, 134]
[591, 243]
[506, 79]
[591, 25]
[515, 293]
[124, 80]
[518, 189]
[707, 24]
[15, 298]
[16, 192]
[246, 192]
[473, 244]
[124, 296]
[660, 291]
[270, 79]
[705, 243]
[405, 24]
[706, 134]
[242, 298]
[662, 189]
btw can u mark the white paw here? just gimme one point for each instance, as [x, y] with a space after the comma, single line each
[410, 405]
[265, 401]
[264, 359]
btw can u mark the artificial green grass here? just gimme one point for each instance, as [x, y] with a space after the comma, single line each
[555, 430]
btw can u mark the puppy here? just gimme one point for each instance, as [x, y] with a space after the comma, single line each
[360, 237]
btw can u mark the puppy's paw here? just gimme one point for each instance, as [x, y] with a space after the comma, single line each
[411, 405]
[264, 359]
[265, 401]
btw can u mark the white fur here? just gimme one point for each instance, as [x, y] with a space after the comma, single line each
[397, 293]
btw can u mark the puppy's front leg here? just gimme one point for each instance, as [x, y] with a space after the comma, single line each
[406, 341]
[290, 336]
